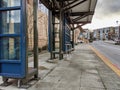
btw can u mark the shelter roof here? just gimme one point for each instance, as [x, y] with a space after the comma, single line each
[79, 11]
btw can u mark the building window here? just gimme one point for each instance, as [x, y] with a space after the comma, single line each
[103, 31]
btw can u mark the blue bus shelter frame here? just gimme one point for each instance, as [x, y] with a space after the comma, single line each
[65, 37]
[6, 65]
[18, 69]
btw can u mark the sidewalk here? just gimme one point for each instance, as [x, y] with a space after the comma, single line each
[110, 42]
[83, 71]
[44, 69]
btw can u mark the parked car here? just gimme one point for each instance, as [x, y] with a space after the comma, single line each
[117, 41]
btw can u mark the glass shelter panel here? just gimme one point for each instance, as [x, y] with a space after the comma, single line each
[10, 48]
[10, 22]
[12, 39]
[9, 3]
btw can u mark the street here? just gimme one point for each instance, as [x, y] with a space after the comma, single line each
[111, 51]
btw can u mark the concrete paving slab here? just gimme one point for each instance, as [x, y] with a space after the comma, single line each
[52, 79]
[112, 85]
[67, 87]
[91, 83]
[88, 88]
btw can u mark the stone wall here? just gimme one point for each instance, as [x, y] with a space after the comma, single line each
[30, 30]
[42, 27]
[76, 34]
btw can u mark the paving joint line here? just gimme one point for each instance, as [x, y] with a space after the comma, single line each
[101, 79]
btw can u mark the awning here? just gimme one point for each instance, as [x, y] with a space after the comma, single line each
[83, 12]
[80, 11]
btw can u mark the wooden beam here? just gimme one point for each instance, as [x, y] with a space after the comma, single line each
[75, 5]
[47, 3]
[78, 26]
[71, 3]
[80, 17]
[81, 13]
[80, 22]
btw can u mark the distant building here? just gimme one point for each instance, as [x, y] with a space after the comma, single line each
[95, 34]
[107, 33]
[86, 34]
[117, 31]
[76, 35]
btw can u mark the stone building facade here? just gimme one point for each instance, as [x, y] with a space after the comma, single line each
[76, 35]
[107, 33]
[42, 27]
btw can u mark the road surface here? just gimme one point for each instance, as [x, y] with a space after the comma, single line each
[111, 51]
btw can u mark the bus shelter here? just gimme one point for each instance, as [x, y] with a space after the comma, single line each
[64, 17]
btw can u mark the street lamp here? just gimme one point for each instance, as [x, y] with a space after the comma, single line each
[119, 29]
[118, 32]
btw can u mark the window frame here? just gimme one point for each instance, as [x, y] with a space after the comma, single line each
[13, 8]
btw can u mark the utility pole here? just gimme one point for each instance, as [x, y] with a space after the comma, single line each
[119, 32]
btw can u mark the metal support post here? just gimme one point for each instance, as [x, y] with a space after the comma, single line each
[24, 9]
[73, 36]
[35, 5]
[119, 31]
[60, 34]
[51, 35]
[53, 24]
[119, 36]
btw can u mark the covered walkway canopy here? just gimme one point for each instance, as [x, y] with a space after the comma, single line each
[79, 12]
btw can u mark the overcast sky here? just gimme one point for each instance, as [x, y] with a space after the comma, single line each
[106, 14]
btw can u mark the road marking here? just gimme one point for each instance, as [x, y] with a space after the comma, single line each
[106, 61]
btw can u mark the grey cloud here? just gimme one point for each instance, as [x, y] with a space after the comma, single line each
[107, 8]
[111, 6]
